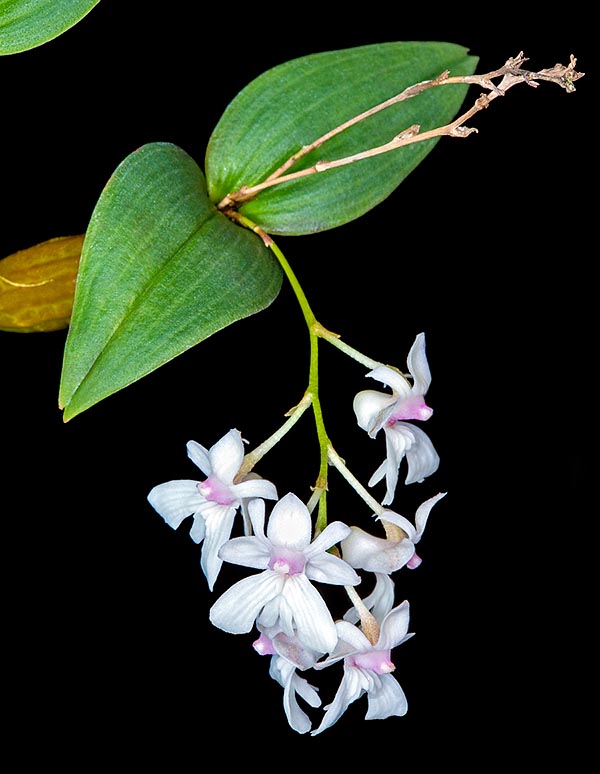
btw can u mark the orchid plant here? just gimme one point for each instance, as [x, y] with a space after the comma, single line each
[172, 254]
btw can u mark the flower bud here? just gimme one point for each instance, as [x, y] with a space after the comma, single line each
[37, 285]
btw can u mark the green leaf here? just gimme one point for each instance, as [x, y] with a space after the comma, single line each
[25, 24]
[296, 102]
[161, 270]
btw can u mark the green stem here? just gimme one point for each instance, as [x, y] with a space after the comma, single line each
[259, 452]
[313, 377]
[337, 462]
[313, 386]
[333, 338]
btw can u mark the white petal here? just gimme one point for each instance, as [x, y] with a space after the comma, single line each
[198, 529]
[286, 617]
[290, 524]
[394, 627]
[306, 691]
[369, 408]
[291, 649]
[422, 458]
[219, 523]
[245, 518]
[280, 670]
[387, 699]
[399, 521]
[395, 449]
[286, 675]
[381, 599]
[274, 615]
[244, 506]
[237, 608]
[175, 500]
[379, 474]
[353, 637]
[246, 551]
[314, 625]
[226, 456]
[359, 546]
[392, 378]
[351, 640]
[199, 456]
[258, 487]
[374, 554]
[350, 689]
[418, 366]
[327, 568]
[256, 514]
[405, 439]
[423, 512]
[296, 717]
[332, 534]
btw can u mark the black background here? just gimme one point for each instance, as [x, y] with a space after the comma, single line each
[486, 247]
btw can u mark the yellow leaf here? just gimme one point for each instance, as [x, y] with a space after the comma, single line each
[37, 285]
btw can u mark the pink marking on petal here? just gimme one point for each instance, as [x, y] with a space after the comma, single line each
[264, 646]
[413, 407]
[214, 490]
[414, 561]
[287, 562]
[378, 661]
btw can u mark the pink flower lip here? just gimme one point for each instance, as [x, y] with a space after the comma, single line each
[214, 490]
[264, 646]
[378, 661]
[414, 561]
[287, 562]
[413, 407]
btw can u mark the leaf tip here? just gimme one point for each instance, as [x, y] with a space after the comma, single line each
[67, 414]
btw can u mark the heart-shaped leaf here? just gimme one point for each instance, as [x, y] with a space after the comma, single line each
[161, 269]
[25, 24]
[295, 103]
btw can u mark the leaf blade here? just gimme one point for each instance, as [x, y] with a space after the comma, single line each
[26, 24]
[294, 103]
[161, 270]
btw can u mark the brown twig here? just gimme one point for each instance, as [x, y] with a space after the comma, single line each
[511, 73]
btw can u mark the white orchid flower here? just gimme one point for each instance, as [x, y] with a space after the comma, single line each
[398, 549]
[282, 594]
[287, 656]
[379, 602]
[367, 669]
[378, 410]
[212, 502]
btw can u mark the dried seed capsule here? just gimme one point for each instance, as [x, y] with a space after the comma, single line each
[37, 285]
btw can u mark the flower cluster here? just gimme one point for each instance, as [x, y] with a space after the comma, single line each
[293, 560]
